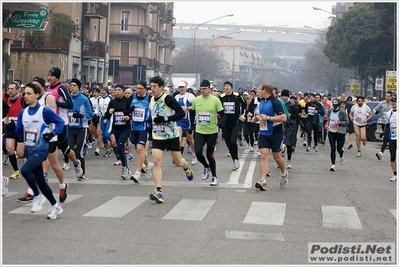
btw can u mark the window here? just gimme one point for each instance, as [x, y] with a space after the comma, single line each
[125, 21]
[95, 33]
[124, 53]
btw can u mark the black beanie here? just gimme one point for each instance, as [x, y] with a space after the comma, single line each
[56, 72]
[120, 86]
[143, 83]
[79, 83]
[285, 92]
[40, 80]
[228, 82]
[205, 83]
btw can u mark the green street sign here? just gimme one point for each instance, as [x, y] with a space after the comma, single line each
[27, 19]
[210, 81]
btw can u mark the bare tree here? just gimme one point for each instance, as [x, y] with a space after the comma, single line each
[318, 69]
[209, 62]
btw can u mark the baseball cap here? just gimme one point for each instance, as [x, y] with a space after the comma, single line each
[181, 84]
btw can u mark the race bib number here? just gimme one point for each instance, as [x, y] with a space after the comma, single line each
[73, 121]
[119, 118]
[31, 136]
[359, 120]
[263, 126]
[333, 127]
[204, 118]
[15, 119]
[311, 111]
[229, 107]
[394, 130]
[138, 114]
[159, 129]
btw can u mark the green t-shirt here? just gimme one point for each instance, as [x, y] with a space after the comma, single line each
[206, 110]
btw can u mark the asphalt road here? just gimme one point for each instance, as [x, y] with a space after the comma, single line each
[110, 221]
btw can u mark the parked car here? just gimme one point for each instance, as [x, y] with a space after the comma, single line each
[373, 131]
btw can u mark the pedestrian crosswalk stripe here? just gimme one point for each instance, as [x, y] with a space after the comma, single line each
[235, 175]
[254, 235]
[25, 209]
[190, 210]
[266, 213]
[340, 217]
[116, 207]
[394, 213]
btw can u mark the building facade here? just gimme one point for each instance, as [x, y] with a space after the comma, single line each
[112, 42]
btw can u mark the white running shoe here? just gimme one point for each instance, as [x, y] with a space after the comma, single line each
[359, 154]
[65, 166]
[37, 203]
[215, 181]
[55, 211]
[236, 165]
[393, 179]
[288, 164]
[332, 168]
[284, 180]
[125, 173]
[205, 173]
[78, 168]
[194, 160]
[148, 170]
[5, 182]
[342, 161]
[136, 177]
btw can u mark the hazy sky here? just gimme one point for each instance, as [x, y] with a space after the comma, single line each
[268, 13]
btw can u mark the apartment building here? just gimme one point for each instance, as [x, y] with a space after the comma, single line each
[113, 42]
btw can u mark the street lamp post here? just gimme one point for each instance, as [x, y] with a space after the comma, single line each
[195, 32]
[333, 17]
[310, 27]
[303, 40]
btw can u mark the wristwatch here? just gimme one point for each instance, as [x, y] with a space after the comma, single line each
[268, 118]
[166, 118]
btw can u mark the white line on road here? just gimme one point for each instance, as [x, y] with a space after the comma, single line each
[190, 210]
[116, 207]
[340, 217]
[266, 213]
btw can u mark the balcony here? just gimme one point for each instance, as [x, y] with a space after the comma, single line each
[94, 49]
[95, 10]
[43, 43]
[140, 31]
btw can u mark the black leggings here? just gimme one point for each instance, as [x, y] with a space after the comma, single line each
[337, 142]
[315, 128]
[230, 137]
[76, 140]
[392, 149]
[32, 171]
[121, 137]
[210, 141]
[249, 132]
